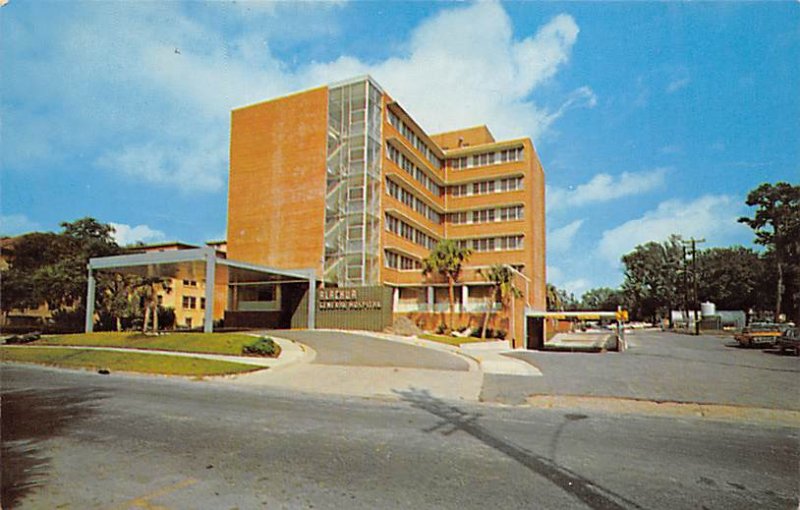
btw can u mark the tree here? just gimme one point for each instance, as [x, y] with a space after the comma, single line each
[118, 296]
[148, 290]
[730, 277]
[553, 298]
[602, 298]
[652, 282]
[776, 224]
[502, 280]
[45, 267]
[560, 299]
[446, 259]
[17, 292]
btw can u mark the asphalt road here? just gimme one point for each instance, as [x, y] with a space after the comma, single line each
[82, 440]
[337, 348]
[663, 366]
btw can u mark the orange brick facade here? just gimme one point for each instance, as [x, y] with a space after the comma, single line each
[461, 185]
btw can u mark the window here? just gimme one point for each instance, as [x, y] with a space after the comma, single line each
[202, 303]
[411, 169]
[189, 283]
[266, 293]
[412, 201]
[189, 302]
[483, 187]
[485, 244]
[403, 229]
[415, 140]
[394, 260]
[486, 158]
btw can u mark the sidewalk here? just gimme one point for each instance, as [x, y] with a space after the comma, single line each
[484, 356]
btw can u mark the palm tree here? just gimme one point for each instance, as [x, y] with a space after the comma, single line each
[446, 259]
[148, 290]
[503, 288]
[118, 295]
[554, 301]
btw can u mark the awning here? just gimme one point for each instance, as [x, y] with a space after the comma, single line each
[200, 264]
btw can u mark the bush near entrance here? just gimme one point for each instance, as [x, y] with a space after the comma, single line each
[264, 346]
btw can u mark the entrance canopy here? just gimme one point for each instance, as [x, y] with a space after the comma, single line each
[199, 264]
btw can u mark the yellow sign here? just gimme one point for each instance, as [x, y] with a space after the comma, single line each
[622, 315]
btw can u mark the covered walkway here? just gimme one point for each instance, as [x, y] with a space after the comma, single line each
[200, 264]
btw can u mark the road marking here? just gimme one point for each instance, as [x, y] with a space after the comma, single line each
[144, 501]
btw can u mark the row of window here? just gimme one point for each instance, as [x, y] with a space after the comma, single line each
[408, 198]
[189, 283]
[486, 215]
[394, 260]
[416, 141]
[492, 243]
[486, 158]
[484, 187]
[405, 230]
[413, 170]
[190, 302]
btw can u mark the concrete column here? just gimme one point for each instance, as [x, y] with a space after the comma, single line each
[312, 299]
[395, 298]
[464, 297]
[211, 277]
[431, 299]
[90, 286]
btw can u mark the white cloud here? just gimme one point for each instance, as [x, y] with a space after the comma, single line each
[576, 287]
[671, 149]
[465, 68]
[554, 275]
[712, 217]
[560, 240]
[155, 91]
[604, 187]
[677, 84]
[15, 224]
[125, 234]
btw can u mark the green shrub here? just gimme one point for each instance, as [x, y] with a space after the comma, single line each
[264, 346]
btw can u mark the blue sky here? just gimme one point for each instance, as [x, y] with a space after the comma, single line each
[649, 118]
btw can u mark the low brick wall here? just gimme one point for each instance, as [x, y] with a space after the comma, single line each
[429, 321]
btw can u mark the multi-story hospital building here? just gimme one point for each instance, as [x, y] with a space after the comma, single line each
[341, 178]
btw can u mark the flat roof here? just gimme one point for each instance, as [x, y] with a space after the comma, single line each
[190, 264]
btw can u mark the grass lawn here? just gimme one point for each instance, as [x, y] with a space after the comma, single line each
[212, 343]
[122, 361]
[453, 340]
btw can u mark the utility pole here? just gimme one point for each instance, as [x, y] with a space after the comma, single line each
[695, 301]
[685, 286]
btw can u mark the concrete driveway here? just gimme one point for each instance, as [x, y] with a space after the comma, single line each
[351, 349]
[359, 365]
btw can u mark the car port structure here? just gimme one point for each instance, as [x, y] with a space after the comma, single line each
[202, 264]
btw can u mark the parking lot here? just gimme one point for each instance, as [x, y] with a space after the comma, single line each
[673, 367]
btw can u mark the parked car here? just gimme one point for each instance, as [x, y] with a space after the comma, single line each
[790, 341]
[759, 334]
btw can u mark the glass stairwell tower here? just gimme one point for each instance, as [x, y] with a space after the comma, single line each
[353, 184]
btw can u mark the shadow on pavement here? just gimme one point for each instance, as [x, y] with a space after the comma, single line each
[30, 417]
[454, 419]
